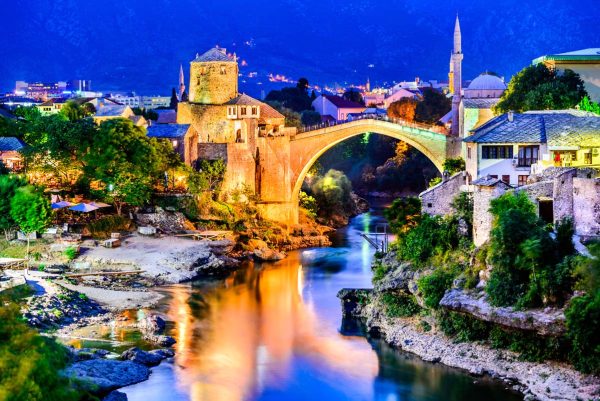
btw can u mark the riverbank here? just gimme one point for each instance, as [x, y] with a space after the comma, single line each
[547, 381]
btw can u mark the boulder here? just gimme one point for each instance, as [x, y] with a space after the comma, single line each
[163, 341]
[266, 254]
[104, 375]
[152, 324]
[115, 396]
[353, 300]
[546, 322]
[146, 358]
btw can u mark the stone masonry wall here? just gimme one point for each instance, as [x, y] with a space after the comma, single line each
[482, 217]
[438, 200]
[586, 207]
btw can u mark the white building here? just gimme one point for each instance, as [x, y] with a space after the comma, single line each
[336, 107]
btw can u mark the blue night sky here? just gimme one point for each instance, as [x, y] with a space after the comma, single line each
[139, 44]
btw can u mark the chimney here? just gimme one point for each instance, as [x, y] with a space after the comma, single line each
[511, 116]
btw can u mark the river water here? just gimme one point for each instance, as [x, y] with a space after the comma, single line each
[274, 332]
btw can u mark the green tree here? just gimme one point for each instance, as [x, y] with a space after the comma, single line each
[539, 88]
[463, 207]
[213, 172]
[125, 164]
[310, 117]
[295, 98]
[292, 118]
[354, 95]
[333, 194]
[31, 210]
[174, 101]
[9, 184]
[433, 106]
[404, 109]
[587, 105]
[454, 165]
[73, 111]
[403, 214]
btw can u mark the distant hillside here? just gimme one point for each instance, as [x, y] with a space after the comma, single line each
[137, 44]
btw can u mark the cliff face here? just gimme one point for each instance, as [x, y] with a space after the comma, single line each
[139, 45]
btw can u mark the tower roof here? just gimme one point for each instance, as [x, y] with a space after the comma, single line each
[457, 37]
[214, 54]
[487, 82]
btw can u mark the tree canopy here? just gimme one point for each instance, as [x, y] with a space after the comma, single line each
[295, 98]
[539, 88]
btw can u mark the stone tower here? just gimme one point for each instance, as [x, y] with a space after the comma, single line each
[181, 83]
[456, 78]
[213, 78]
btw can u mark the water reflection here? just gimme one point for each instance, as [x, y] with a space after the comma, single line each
[272, 332]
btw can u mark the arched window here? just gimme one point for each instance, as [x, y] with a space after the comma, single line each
[223, 70]
[202, 70]
[238, 136]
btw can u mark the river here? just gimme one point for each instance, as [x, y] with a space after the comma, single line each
[273, 331]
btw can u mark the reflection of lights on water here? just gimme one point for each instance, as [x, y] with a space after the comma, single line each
[300, 281]
[262, 362]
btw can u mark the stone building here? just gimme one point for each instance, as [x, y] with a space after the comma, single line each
[231, 126]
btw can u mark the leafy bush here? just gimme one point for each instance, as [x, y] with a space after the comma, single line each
[453, 166]
[463, 207]
[379, 270]
[400, 305]
[332, 193]
[309, 203]
[434, 286]
[70, 253]
[529, 345]
[403, 214]
[108, 224]
[463, 327]
[29, 363]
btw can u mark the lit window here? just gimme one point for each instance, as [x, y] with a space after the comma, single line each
[223, 70]
[203, 71]
[175, 143]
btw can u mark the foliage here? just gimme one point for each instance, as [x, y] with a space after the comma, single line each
[403, 214]
[404, 109]
[433, 106]
[583, 323]
[434, 286]
[530, 268]
[174, 100]
[380, 270]
[539, 88]
[587, 105]
[292, 117]
[29, 363]
[213, 172]
[70, 253]
[433, 235]
[434, 181]
[74, 112]
[454, 165]
[310, 117]
[399, 304]
[463, 327]
[103, 226]
[125, 164]
[309, 203]
[332, 193]
[463, 207]
[354, 95]
[295, 98]
[148, 114]
[9, 184]
[30, 209]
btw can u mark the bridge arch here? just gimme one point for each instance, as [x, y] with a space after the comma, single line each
[307, 148]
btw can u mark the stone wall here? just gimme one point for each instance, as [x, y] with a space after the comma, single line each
[586, 207]
[213, 82]
[534, 192]
[562, 195]
[438, 199]
[482, 217]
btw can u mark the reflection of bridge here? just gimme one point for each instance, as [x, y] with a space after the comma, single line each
[294, 159]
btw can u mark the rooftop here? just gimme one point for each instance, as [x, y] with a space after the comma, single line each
[166, 116]
[559, 129]
[340, 102]
[168, 130]
[11, 143]
[584, 55]
[483, 103]
[111, 111]
[214, 54]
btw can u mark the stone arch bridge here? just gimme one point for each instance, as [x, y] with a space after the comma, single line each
[285, 161]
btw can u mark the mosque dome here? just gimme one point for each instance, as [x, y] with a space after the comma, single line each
[487, 82]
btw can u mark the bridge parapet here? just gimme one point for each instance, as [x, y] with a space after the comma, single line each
[426, 127]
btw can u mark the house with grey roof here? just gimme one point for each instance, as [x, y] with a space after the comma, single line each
[10, 152]
[183, 137]
[512, 146]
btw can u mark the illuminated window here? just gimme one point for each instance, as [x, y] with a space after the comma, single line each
[203, 70]
[522, 180]
[223, 70]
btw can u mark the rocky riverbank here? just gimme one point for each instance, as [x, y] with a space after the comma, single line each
[547, 381]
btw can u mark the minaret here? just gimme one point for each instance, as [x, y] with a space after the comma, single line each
[456, 76]
[181, 82]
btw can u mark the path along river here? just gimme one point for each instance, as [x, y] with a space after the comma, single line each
[274, 332]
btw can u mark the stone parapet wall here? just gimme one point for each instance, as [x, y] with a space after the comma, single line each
[438, 199]
[586, 207]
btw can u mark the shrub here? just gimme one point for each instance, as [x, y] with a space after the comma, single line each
[332, 193]
[583, 326]
[105, 225]
[403, 214]
[309, 203]
[70, 253]
[453, 166]
[400, 305]
[379, 270]
[463, 206]
[463, 327]
[434, 286]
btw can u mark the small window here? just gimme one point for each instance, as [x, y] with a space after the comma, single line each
[254, 109]
[587, 158]
[496, 152]
[203, 70]
[468, 153]
[494, 176]
[506, 179]
[528, 155]
[429, 205]
[522, 180]
[223, 70]
[243, 111]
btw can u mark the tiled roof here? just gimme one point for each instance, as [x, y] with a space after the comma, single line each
[111, 111]
[11, 143]
[342, 103]
[168, 130]
[488, 181]
[214, 54]
[244, 100]
[168, 116]
[486, 103]
[557, 129]
[266, 111]
[592, 54]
